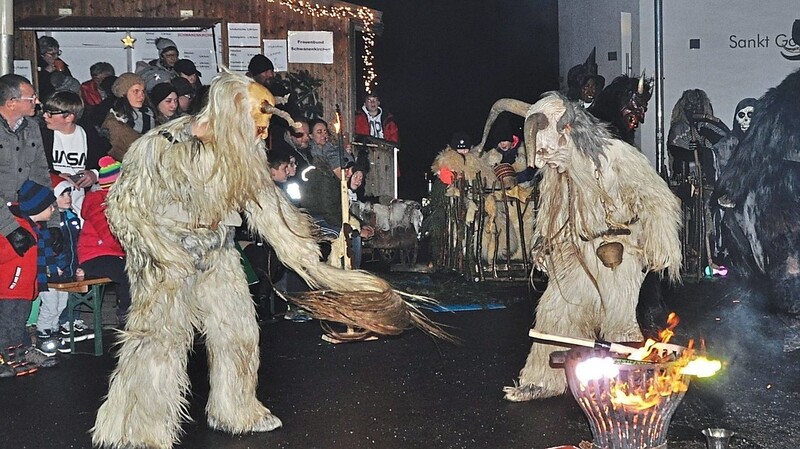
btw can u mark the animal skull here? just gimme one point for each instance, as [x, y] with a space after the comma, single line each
[743, 117]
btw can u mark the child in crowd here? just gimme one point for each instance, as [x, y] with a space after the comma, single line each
[21, 275]
[73, 151]
[99, 252]
[54, 302]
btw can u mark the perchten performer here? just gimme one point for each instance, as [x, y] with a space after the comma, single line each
[173, 208]
[606, 218]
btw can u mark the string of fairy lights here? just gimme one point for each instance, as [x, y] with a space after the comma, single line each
[363, 14]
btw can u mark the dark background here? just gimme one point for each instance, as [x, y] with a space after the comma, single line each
[441, 64]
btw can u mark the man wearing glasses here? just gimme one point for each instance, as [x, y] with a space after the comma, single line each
[49, 61]
[21, 151]
[21, 158]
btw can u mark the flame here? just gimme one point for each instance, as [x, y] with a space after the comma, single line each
[701, 367]
[336, 124]
[670, 371]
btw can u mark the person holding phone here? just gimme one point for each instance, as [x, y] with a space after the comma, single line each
[72, 151]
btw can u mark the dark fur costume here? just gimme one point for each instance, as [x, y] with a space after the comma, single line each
[763, 180]
[611, 102]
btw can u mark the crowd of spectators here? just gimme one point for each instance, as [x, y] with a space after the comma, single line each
[71, 139]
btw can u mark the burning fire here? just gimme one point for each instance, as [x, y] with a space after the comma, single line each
[672, 365]
[701, 367]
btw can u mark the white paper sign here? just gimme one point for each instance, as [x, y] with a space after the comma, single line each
[315, 47]
[244, 35]
[275, 50]
[239, 58]
[22, 67]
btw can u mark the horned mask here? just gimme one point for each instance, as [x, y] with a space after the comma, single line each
[262, 107]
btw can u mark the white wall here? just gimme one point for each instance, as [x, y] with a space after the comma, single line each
[726, 74]
[584, 24]
[81, 49]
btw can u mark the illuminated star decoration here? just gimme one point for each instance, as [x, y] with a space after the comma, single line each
[128, 41]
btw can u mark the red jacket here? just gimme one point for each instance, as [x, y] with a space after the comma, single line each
[18, 274]
[96, 239]
[90, 94]
[390, 131]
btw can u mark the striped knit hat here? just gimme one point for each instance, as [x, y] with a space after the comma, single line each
[34, 198]
[109, 171]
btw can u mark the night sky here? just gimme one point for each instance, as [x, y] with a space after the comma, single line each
[442, 63]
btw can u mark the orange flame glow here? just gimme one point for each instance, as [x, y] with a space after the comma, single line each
[670, 376]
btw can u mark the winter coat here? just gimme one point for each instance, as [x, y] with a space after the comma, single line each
[120, 134]
[322, 196]
[96, 239]
[68, 259]
[21, 158]
[90, 93]
[390, 130]
[18, 274]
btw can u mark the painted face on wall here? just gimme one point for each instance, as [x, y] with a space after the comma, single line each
[743, 118]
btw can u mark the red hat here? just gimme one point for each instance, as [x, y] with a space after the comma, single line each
[59, 184]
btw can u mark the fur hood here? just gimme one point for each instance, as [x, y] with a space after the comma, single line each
[469, 164]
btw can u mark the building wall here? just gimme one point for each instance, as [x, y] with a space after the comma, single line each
[338, 78]
[726, 68]
[585, 24]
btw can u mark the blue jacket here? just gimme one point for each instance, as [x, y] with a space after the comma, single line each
[70, 226]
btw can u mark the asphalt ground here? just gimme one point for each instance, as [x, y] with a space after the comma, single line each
[412, 391]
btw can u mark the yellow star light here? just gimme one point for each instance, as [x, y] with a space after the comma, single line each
[128, 41]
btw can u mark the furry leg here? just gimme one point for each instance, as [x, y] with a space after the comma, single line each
[146, 397]
[228, 320]
[537, 379]
[620, 289]
[569, 306]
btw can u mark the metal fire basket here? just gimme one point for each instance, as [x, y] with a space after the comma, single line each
[616, 423]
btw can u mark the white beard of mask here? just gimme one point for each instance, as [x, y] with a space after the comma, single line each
[743, 117]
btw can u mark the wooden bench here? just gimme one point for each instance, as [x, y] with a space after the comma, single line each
[88, 292]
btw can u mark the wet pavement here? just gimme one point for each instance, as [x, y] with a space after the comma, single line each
[412, 391]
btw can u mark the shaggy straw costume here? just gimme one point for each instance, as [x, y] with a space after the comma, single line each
[180, 186]
[593, 186]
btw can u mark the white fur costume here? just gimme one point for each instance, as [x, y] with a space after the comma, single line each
[180, 185]
[593, 183]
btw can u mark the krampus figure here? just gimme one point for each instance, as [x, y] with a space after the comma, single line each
[623, 104]
[182, 186]
[762, 184]
[606, 218]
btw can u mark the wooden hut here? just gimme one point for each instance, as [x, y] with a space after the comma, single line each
[339, 80]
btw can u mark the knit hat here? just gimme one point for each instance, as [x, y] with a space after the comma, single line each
[186, 67]
[160, 92]
[182, 86]
[163, 44]
[109, 171]
[502, 130]
[259, 64]
[62, 82]
[125, 82]
[33, 198]
[460, 141]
